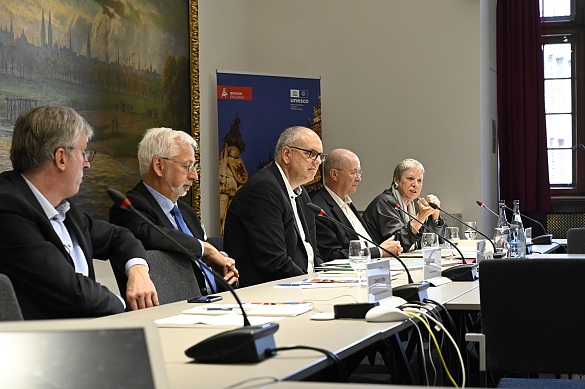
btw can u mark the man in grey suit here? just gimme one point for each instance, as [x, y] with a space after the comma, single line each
[168, 168]
[269, 229]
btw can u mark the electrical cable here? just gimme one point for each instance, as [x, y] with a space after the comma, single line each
[250, 380]
[439, 351]
[334, 358]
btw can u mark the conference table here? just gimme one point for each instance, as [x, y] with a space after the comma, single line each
[343, 337]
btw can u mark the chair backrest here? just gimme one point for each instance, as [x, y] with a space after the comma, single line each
[576, 241]
[172, 275]
[532, 315]
[9, 307]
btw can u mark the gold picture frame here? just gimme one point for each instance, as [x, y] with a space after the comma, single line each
[195, 94]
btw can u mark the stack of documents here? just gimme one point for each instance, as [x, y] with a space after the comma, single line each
[287, 308]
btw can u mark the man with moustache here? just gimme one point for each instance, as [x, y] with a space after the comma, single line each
[269, 229]
[168, 169]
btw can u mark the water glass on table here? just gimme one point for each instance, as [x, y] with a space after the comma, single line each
[359, 255]
[452, 235]
[470, 233]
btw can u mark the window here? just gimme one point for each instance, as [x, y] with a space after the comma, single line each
[564, 88]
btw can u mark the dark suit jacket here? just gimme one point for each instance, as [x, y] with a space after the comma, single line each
[41, 270]
[384, 221]
[152, 239]
[261, 233]
[332, 239]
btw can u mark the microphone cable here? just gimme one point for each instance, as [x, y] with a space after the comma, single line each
[331, 356]
[420, 314]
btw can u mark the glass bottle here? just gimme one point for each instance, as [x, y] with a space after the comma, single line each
[502, 219]
[501, 237]
[517, 234]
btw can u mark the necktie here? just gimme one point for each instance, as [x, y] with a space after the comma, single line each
[181, 226]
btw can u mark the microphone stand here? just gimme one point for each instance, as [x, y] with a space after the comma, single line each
[426, 228]
[461, 272]
[321, 213]
[435, 206]
[254, 334]
[536, 221]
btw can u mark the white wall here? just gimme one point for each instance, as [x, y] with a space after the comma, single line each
[399, 79]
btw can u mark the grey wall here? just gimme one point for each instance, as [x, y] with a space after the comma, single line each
[399, 79]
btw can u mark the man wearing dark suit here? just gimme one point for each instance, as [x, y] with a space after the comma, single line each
[168, 169]
[46, 244]
[343, 173]
[269, 229]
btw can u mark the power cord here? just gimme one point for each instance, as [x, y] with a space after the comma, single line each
[334, 358]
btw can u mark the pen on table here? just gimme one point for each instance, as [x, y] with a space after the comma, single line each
[296, 284]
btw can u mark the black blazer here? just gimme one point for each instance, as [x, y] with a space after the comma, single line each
[332, 239]
[41, 270]
[152, 239]
[261, 233]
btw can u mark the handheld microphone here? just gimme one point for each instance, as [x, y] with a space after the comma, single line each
[484, 206]
[542, 239]
[435, 206]
[461, 272]
[319, 212]
[252, 341]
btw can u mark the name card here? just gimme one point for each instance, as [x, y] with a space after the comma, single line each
[378, 280]
[432, 262]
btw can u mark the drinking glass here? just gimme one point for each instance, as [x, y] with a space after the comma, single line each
[501, 237]
[470, 233]
[429, 243]
[359, 255]
[452, 234]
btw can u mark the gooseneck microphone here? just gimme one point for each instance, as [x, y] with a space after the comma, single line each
[545, 234]
[319, 212]
[461, 272]
[252, 341]
[484, 206]
[435, 206]
[426, 228]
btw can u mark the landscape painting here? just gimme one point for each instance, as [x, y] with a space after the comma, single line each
[124, 65]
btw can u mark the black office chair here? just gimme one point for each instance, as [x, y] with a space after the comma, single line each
[532, 321]
[576, 241]
[172, 275]
[9, 307]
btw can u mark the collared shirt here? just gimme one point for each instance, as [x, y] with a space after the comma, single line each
[52, 213]
[293, 194]
[351, 216]
[167, 205]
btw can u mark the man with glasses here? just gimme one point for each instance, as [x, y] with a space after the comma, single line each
[47, 245]
[343, 173]
[166, 159]
[269, 229]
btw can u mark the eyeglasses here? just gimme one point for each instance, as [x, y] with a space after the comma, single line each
[355, 174]
[188, 168]
[312, 153]
[88, 154]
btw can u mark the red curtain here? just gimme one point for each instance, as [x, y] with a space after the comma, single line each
[523, 164]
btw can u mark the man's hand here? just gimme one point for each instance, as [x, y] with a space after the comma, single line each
[391, 245]
[140, 291]
[221, 263]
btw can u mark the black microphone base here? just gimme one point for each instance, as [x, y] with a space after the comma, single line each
[246, 344]
[467, 272]
[415, 292]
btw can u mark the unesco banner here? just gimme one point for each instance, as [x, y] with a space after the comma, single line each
[252, 111]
